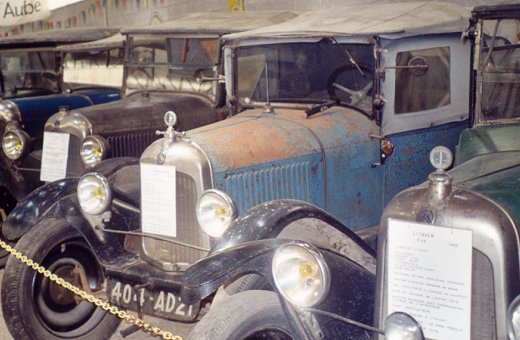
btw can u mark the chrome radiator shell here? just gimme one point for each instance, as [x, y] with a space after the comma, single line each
[193, 177]
[495, 264]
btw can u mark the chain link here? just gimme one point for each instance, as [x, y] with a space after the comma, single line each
[155, 331]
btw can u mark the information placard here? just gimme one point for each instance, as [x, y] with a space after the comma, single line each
[429, 277]
[158, 203]
[55, 154]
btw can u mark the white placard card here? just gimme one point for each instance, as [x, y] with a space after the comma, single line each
[55, 154]
[429, 277]
[158, 205]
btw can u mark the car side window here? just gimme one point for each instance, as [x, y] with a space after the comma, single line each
[422, 80]
[499, 70]
[94, 67]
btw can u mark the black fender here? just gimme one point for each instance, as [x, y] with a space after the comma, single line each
[59, 200]
[351, 293]
[35, 206]
[274, 218]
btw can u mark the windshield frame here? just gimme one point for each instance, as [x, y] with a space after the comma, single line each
[133, 40]
[231, 54]
[482, 55]
[54, 69]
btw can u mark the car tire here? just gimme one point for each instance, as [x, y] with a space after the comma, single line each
[36, 308]
[250, 314]
[4, 254]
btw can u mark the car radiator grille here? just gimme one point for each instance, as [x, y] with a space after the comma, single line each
[483, 318]
[130, 144]
[188, 230]
[255, 187]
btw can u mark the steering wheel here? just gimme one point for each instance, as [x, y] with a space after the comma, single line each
[49, 79]
[349, 84]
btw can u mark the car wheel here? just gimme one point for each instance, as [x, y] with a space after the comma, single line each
[36, 308]
[254, 314]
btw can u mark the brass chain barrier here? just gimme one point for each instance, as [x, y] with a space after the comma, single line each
[155, 331]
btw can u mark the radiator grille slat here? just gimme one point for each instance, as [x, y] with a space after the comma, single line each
[255, 187]
[130, 144]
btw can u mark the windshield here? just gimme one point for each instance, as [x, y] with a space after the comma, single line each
[499, 69]
[306, 72]
[95, 67]
[28, 70]
[175, 64]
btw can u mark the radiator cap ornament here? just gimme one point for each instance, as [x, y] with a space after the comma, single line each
[170, 119]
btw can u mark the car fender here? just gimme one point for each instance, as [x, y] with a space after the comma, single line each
[351, 293]
[35, 206]
[294, 219]
[58, 200]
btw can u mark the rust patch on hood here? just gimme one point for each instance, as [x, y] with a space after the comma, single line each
[253, 137]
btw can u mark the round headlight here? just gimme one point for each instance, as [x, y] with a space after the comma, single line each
[94, 149]
[94, 193]
[15, 143]
[215, 212]
[513, 319]
[301, 274]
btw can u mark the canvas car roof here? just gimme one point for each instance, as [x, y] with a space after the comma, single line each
[389, 20]
[215, 22]
[115, 41]
[56, 37]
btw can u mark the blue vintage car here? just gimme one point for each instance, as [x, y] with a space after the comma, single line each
[35, 72]
[338, 108]
[448, 249]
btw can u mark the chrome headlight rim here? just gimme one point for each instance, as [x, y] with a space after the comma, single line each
[94, 149]
[104, 202]
[282, 254]
[208, 217]
[513, 312]
[15, 142]
[9, 111]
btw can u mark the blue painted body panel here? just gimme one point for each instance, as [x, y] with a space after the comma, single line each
[409, 164]
[36, 110]
[327, 160]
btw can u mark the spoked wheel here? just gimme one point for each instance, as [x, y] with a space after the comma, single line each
[35, 307]
[247, 315]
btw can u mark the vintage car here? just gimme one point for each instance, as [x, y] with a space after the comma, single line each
[171, 66]
[30, 62]
[448, 249]
[312, 100]
[34, 73]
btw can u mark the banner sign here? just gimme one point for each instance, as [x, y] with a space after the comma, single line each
[15, 12]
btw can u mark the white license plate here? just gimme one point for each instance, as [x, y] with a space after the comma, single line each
[157, 302]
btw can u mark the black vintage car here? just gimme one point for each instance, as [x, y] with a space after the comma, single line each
[39, 74]
[448, 249]
[175, 66]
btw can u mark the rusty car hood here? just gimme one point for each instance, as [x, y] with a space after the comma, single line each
[254, 137]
